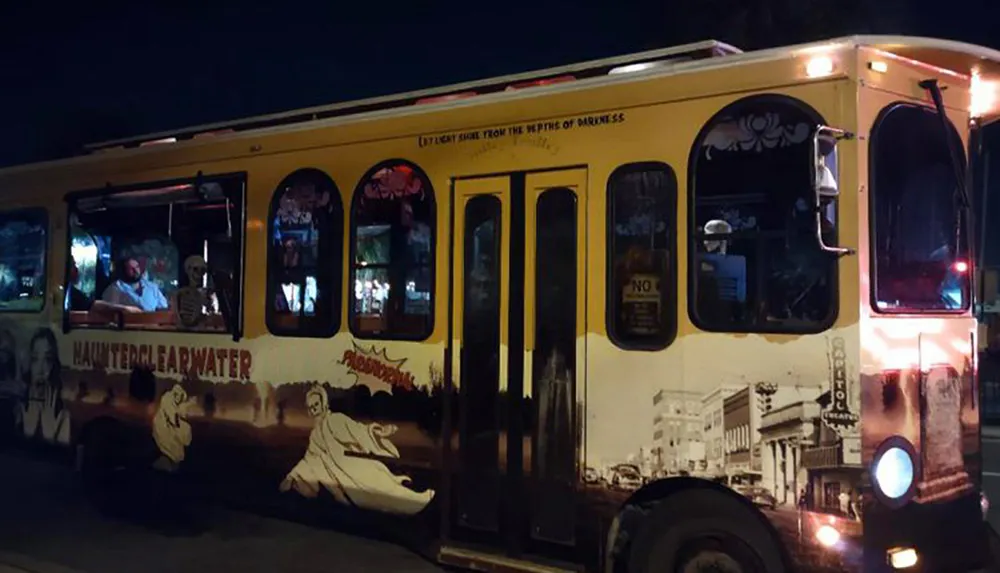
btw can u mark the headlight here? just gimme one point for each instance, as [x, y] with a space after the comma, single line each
[894, 470]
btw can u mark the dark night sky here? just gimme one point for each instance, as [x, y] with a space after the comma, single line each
[72, 73]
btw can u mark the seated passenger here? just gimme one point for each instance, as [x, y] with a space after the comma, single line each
[79, 301]
[131, 290]
[76, 299]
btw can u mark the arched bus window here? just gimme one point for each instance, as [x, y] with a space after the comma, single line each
[305, 256]
[642, 204]
[392, 253]
[756, 264]
[915, 267]
[23, 249]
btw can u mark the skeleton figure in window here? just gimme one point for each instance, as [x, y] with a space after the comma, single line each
[194, 301]
[722, 276]
[717, 227]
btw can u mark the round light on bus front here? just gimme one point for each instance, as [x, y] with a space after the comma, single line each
[894, 470]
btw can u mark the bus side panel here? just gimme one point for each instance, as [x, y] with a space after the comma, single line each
[201, 408]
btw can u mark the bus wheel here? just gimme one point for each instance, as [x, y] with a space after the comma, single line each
[704, 531]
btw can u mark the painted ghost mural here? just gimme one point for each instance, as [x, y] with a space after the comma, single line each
[171, 430]
[334, 461]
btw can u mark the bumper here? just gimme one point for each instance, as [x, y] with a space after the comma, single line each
[948, 537]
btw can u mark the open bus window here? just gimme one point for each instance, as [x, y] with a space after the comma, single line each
[642, 199]
[756, 263]
[392, 270]
[305, 256]
[158, 257]
[23, 240]
[914, 214]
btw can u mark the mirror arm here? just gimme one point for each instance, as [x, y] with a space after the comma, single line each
[837, 134]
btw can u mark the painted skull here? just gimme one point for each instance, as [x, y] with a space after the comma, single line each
[195, 268]
[179, 395]
[316, 401]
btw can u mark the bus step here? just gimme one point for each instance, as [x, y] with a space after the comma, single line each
[493, 563]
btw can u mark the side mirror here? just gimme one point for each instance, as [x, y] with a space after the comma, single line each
[825, 156]
[825, 187]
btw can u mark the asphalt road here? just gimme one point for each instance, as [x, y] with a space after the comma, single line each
[991, 474]
[46, 526]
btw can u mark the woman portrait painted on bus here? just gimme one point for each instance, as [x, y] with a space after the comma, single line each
[43, 416]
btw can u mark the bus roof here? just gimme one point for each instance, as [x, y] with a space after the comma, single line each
[957, 57]
[548, 76]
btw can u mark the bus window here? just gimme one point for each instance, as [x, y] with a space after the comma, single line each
[392, 253]
[305, 256]
[165, 257]
[84, 262]
[756, 265]
[642, 199]
[23, 240]
[914, 213]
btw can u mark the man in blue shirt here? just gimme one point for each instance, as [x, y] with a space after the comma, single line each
[131, 290]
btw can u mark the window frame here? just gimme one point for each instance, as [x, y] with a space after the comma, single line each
[432, 254]
[732, 108]
[671, 324]
[239, 282]
[47, 246]
[309, 327]
[872, 223]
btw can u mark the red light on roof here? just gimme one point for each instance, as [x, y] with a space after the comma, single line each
[213, 133]
[542, 82]
[961, 267]
[447, 97]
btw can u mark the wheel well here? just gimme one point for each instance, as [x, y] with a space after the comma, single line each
[639, 505]
[106, 427]
[97, 425]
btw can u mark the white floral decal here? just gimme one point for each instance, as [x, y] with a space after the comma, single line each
[754, 132]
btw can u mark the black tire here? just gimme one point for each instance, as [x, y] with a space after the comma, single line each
[994, 541]
[8, 426]
[707, 525]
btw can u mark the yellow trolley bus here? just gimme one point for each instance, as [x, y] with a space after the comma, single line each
[677, 310]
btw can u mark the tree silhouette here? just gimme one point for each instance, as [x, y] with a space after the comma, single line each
[759, 24]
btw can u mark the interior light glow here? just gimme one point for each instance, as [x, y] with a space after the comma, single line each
[158, 141]
[629, 68]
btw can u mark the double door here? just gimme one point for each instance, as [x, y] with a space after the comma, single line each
[518, 356]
